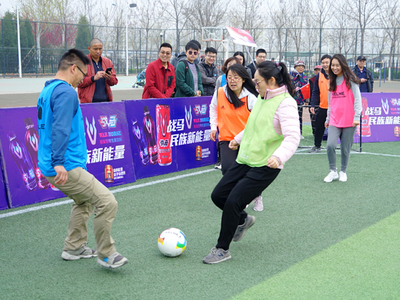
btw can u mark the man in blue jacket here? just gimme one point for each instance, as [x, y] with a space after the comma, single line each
[62, 159]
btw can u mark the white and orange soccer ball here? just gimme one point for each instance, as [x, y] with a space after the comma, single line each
[172, 242]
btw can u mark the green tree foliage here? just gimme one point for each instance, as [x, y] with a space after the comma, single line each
[8, 51]
[27, 47]
[83, 35]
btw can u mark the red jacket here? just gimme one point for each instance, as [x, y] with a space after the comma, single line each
[157, 81]
[87, 87]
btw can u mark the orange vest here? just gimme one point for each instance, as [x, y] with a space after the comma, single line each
[323, 85]
[231, 120]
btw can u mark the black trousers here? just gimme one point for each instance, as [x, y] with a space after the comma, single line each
[228, 156]
[320, 119]
[237, 188]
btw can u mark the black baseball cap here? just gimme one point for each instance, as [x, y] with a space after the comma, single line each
[361, 57]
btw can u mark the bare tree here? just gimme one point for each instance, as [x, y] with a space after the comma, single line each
[364, 13]
[40, 11]
[296, 21]
[321, 11]
[147, 17]
[89, 7]
[390, 20]
[343, 36]
[278, 16]
[205, 13]
[175, 11]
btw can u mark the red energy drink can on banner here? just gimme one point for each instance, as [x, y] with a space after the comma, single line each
[163, 135]
[108, 174]
[365, 127]
[198, 153]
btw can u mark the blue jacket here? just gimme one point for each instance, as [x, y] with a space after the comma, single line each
[61, 129]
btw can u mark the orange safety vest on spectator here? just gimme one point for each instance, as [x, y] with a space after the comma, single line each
[323, 85]
[231, 120]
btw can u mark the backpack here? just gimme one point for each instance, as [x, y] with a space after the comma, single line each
[186, 70]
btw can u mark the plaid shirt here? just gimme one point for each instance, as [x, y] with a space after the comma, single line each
[299, 80]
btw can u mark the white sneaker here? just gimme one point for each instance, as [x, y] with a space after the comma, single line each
[342, 176]
[333, 175]
[258, 203]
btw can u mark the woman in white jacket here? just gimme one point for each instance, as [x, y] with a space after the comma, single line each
[270, 138]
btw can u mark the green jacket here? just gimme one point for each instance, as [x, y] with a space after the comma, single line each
[184, 81]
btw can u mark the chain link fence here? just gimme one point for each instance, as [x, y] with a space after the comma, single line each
[43, 43]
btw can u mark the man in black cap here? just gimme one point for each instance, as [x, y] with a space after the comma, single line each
[367, 82]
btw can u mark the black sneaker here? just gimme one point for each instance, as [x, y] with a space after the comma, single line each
[218, 166]
[315, 150]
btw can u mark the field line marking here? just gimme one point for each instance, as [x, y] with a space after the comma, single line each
[118, 190]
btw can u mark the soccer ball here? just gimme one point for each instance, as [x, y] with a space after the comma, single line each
[172, 242]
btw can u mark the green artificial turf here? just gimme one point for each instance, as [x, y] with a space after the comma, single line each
[307, 233]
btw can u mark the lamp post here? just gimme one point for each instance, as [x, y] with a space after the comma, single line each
[161, 36]
[19, 46]
[132, 5]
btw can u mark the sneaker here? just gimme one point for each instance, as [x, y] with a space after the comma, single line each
[342, 176]
[218, 166]
[315, 150]
[82, 252]
[333, 175]
[241, 229]
[115, 260]
[217, 255]
[258, 203]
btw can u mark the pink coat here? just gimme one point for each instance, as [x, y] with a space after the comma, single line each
[286, 123]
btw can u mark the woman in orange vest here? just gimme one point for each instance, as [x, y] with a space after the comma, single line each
[229, 110]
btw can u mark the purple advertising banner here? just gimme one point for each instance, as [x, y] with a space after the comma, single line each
[19, 138]
[169, 135]
[380, 117]
[3, 196]
[107, 139]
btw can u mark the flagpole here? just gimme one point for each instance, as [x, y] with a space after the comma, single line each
[252, 60]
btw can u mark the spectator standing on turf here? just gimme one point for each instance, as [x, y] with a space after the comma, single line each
[365, 75]
[96, 86]
[240, 56]
[229, 110]
[343, 114]
[160, 75]
[320, 98]
[221, 81]
[62, 159]
[270, 138]
[311, 81]
[299, 80]
[261, 56]
[209, 71]
[187, 74]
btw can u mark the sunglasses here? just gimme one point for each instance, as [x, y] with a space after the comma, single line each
[192, 52]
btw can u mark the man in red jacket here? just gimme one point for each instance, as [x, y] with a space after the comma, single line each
[160, 75]
[95, 87]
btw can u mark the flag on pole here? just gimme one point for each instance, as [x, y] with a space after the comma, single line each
[241, 37]
[305, 91]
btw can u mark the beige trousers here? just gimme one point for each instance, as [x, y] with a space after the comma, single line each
[88, 193]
